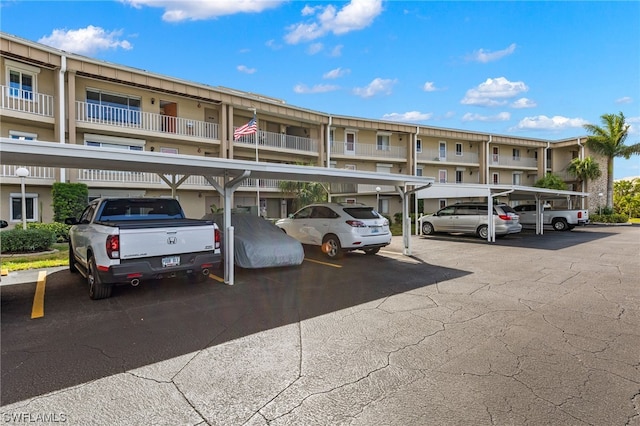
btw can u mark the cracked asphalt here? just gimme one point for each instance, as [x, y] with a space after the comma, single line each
[531, 330]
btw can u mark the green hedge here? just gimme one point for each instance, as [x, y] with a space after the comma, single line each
[26, 240]
[608, 218]
[60, 230]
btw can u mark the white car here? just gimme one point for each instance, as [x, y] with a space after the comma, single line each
[338, 227]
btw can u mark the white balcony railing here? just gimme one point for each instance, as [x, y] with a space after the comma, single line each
[450, 157]
[147, 121]
[369, 150]
[506, 160]
[26, 101]
[281, 141]
[34, 172]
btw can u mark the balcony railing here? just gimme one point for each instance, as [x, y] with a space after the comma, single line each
[451, 157]
[369, 150]
[34, 172]
[279, 140]
[26, 101]
[147, 121]
[507, 160]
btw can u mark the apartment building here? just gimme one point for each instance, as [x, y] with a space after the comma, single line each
[53, 96]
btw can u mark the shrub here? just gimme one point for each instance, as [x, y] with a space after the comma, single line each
[69, 200]
[60, 230]
[26, 240]
[609, 218]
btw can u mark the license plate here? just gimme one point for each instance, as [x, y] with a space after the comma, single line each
[170, 261]
[375, 229]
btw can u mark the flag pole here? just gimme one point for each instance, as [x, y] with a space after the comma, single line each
[257, 180]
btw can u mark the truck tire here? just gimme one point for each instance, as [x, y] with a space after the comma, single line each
[97, 289]
[560, 225]
[72, 260]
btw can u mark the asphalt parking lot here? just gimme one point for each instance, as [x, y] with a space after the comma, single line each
[530, 330]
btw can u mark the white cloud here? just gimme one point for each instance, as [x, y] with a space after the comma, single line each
[485, 56]
[634, 125]
[336, 73]
[624, 100]
[356, 15]
[318, 88]
[411, 116]
[378, 85]
[195, 10]
[315, 48]
[429, 86]
[502, 116]
[273, 45]
[245, 69]
[85, 41]
[524, 103]
[336, 51]
[542, 122]
[494, 92]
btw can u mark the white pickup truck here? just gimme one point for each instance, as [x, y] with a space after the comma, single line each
[126, 240]
[560, 220]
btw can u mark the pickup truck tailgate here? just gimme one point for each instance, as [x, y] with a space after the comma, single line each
[149, 242]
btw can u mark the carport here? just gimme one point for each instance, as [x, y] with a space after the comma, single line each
[225, 175]
[513, 192]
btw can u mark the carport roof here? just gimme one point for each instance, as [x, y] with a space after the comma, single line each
[517, 192]
[54, 154]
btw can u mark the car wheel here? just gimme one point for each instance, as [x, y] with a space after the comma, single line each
[483, 231]
[427, 228]
[331, 247]
[372, 251]
[197, 277]
[97, 289]
[560, 225]
[72, 260]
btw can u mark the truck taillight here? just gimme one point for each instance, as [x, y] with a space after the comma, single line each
[579, 215]
[113, 246]
[217, 238]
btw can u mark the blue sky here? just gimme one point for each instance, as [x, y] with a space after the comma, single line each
[531, 69]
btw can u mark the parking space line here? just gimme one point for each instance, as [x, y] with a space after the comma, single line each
[37, 310]
[322, 263]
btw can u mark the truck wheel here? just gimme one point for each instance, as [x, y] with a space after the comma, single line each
[97, 289]
[560, 225]
[427, 228]
[331, 246]
[197, 277]
[72, 260]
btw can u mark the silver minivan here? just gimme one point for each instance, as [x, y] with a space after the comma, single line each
[471, 218]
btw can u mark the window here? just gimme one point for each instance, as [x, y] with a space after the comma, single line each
[495, 156]
[331, 137]
[384, 206]
[419, 145]
[442, 203]
[22, 80]
[31, 203]
[383, 142]
[459, 174]
[113, 107]
[458, 149]
[419, 171]
[350, 142]
[383, 168]
[516, 154]
[23, 136]
[168, 150]
[442, 176]
[114, 142]
[442, 150]
[517, 178]
[496, 178]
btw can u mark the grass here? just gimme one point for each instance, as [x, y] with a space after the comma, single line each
[17, 262]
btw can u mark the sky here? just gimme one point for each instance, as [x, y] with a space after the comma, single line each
[539, 69]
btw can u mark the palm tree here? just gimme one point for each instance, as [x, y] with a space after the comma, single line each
[584, 170]
[609, 142]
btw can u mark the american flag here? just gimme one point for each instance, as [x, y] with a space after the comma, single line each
[248, 129]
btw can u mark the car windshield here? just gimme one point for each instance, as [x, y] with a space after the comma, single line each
[362, 212]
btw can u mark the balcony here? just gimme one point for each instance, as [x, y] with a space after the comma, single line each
[280, 141]
[513, 162]
[26, 101]
[369, 150]
[144, 121]
[433, 155]
[43, 173]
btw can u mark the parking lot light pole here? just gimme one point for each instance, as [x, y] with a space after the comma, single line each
[23, 172]
[377, 198]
